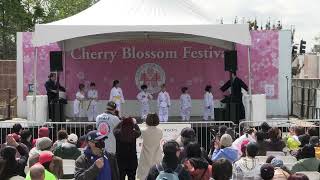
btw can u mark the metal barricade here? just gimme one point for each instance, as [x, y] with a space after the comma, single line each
[203, 129]
[283, 125]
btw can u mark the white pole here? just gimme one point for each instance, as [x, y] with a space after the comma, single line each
[34, 112]
[64, 63]
[250, 84]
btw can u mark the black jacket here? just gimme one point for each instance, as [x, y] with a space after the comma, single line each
[126, 151]
[67, 151]
[87, 170]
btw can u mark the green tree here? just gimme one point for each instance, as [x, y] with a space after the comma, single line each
[22, 15]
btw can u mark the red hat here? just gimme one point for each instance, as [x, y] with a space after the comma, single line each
[16, 137]
[45, 156]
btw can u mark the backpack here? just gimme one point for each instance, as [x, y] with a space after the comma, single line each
[165, 175]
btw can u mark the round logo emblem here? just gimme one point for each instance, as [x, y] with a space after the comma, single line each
[104, 128]
[152, 75]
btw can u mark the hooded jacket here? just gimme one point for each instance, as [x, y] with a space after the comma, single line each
[307, 164]
[228, 153]
[67, 151]
[198, 168]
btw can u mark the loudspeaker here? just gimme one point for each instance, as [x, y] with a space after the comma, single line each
[230, 61]
[56, 61]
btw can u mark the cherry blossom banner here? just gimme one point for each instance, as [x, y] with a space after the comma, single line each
[156, 61]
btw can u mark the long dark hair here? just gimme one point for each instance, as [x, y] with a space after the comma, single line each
[126, 130]
[8, 155]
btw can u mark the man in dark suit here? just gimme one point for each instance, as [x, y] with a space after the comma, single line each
[236, 84]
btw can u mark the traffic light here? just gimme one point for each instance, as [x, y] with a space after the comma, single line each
[294, 50]
[302, 47]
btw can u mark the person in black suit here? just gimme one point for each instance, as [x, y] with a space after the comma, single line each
[236, 84]
[52, 91]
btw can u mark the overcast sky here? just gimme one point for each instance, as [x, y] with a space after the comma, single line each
[303, 14]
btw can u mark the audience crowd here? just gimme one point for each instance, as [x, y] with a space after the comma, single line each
[23, 156]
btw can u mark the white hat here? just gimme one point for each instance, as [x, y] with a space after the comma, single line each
[73, 138]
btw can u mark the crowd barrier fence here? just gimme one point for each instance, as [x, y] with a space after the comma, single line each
[205, 130]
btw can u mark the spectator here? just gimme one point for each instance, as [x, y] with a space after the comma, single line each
[309, 162]
[43, 144]
[267, 172]
[262, 143]
[26, 139]
[305, 138]
[265, 127]
[68, 149]
[13, 166]
[223, 149]
[249, 136]
[187, 136]
[42, 132]
[298, 176]
[33, 160]
[280, 171]
[37, 172]
[126, 134]
[248, 167]
[293, 142]
[243, 147]
[82, 140]
[105, 123]
[17, 140]
[151, 151]
[17, 128]
[197, 166]
[56, 166]
[5, 174]
[62, 138]
[222, 130]
[45, 159]
[96, 163]
[222, 169]
[314, 141]
[169, 164]
[275, 143]
[269, 159]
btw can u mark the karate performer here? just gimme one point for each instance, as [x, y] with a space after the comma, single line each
[144, 97]
[185, 104]
[208, 104]
[78, 104]
[116, 95]
[92, 96]
[163, 104]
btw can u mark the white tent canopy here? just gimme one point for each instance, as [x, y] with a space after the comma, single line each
[116, 16]
[125, 19]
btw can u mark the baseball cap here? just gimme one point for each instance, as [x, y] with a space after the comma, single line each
[45, 156]
[95, 136]
[111, 105]
[73, 138]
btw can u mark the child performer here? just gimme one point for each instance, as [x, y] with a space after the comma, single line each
[116, 95]
[185, 104]
[78, 104]
[163, 104]
[92, 96]
[208, 103]
[144, 98]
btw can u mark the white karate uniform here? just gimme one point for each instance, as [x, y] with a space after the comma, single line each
[78, 105]
[93, 101]
[116, 96]
[185, 106]
[163, 104]
[144, 98]
[208, 102]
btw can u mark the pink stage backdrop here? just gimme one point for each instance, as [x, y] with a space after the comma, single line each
[155, 61]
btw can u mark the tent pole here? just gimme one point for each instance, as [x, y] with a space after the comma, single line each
[64, 63]
[34, 102]
[250, 84]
